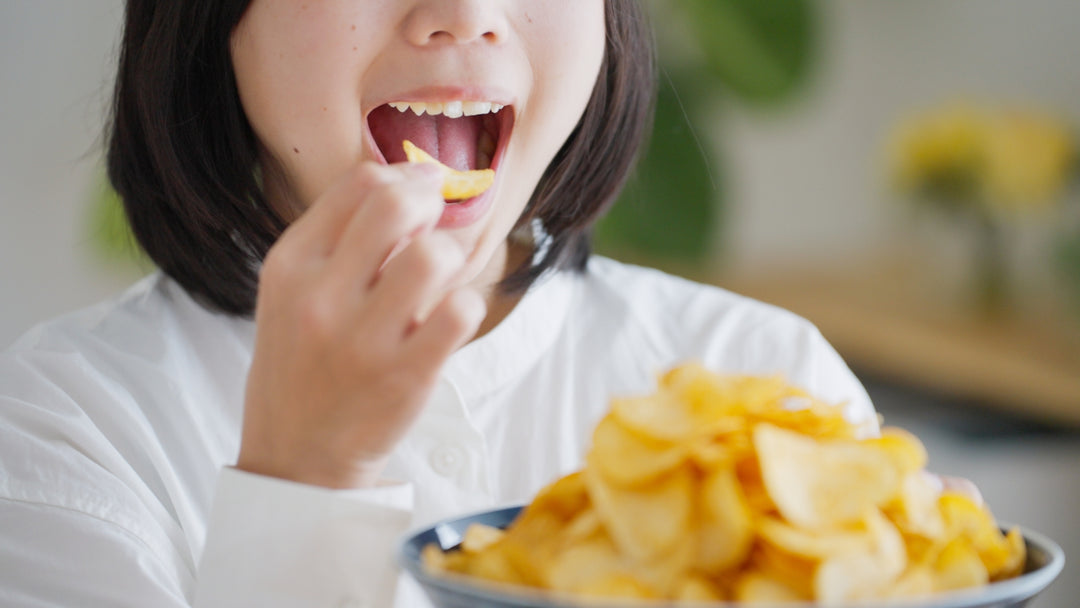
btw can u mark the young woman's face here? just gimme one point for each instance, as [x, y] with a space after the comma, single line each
[321, 81]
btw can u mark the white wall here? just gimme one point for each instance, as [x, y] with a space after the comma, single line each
[806, 184]
[55, 74]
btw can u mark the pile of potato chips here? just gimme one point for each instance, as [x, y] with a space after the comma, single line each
[747, 489]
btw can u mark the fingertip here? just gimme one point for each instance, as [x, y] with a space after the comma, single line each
[428, 172]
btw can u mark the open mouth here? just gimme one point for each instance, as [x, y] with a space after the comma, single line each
[463, 135]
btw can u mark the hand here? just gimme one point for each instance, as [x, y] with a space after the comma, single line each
[356, 314]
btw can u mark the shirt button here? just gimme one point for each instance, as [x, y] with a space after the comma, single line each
[447, 460]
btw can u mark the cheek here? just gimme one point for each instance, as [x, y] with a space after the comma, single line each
[565, 41]
[297, 74]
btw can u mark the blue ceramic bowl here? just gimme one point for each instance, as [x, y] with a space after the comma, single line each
[1044, 562]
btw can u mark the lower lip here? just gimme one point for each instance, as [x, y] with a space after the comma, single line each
[468, 212]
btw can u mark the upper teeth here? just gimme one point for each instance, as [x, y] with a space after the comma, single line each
[452, 109]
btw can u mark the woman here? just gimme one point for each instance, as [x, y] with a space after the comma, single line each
[331, 353]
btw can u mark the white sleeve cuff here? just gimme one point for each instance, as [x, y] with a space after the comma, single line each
[276, 543]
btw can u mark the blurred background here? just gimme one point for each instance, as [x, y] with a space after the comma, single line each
[901, 173]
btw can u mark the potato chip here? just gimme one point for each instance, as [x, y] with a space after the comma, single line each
[797, 573]
[479, 537]
[644, 521]
[565, 497]
[661, 417]
[736, 487]
[757, 587]
[725, 530]
[812, 544]
[627, 459]
[965, 519]
[624, 586]
[906, 450]
[867, 573]
[1014, 565]
[958, 567]
[585, 564]
[494, 564]
[697, 589]
[916, 581]
[583, 526]
[823, 484]
[915, 510]
[457, 185]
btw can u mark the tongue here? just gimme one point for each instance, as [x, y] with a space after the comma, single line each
[451, 140]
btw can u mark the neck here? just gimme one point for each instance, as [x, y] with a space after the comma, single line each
[499, 304]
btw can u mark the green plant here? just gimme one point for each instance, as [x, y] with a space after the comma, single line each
[756, 52]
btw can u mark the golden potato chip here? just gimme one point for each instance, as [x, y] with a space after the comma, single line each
[1014, 565]
[628, 459]
[757, 587]
[744, 488]
[823, 484]
[812, 544]
[697, 589]
[797, 573]
[916, 581]
[663, 572]
[958, 566]
[494, 564]
[457, 185]
[479, 537]
[863, 574]
[915, 511]
[661, 417]
[905, 449]
[709, 455]
[645, 521]
[585, 564]
[973, 522]
[725, 532]
[565, 497]
[623, 586]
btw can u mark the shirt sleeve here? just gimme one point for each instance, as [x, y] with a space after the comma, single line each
[274, 543]
[54, 556]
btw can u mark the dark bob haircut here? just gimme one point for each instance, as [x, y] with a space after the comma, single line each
[184, 159]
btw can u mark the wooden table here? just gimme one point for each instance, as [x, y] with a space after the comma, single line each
[887, 323]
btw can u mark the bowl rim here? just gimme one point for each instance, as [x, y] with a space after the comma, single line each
[1021, 587]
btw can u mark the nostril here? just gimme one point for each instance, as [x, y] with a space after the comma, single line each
[458, 22]
[445, 36]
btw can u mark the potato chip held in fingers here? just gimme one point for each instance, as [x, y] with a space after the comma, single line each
[457, 185]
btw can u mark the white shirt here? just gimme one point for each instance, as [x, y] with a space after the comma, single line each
[118, 425]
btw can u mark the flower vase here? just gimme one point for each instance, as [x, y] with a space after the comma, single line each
[992, 285]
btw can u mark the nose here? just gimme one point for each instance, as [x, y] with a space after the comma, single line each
[433, 22]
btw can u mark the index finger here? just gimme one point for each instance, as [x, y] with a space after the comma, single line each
[317, 231]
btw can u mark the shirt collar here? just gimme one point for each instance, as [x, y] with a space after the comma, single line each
[514, 346]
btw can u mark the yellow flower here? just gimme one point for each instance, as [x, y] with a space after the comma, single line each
[945, 144]
[961, 154]
[1029, 159]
